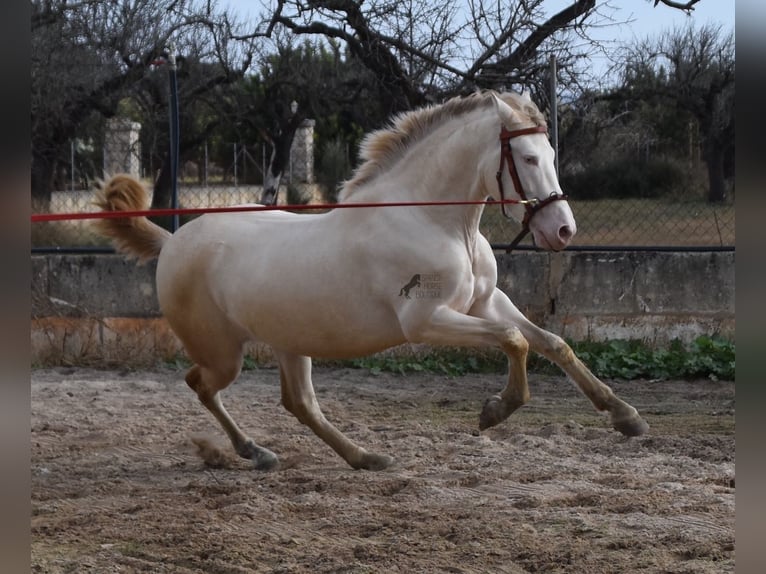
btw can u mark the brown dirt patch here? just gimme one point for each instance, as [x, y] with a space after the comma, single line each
[118, 486]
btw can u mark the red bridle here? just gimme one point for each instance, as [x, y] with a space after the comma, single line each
[531, 206]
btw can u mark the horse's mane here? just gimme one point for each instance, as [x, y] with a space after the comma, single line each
[382, 148]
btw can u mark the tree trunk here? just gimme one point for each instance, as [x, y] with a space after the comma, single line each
[714, 159]
[280, 161]
[271, 179]
[42, 177]
[163, 194]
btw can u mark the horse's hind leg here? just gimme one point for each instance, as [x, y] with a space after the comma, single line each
[298, 397]
[208, 383]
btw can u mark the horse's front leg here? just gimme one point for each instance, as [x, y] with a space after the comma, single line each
[624, 417]
[497, 408]
[298, 397]
[449, 327]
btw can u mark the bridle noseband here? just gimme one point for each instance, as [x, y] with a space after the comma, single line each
[531, 206]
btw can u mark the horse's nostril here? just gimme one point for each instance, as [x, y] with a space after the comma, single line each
[565, 233]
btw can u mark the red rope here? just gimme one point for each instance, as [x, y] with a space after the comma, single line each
[40, 217]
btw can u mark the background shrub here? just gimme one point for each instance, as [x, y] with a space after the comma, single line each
[334, 168]
[626, 178]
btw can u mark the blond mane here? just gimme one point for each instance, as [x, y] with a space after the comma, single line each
[382, 148]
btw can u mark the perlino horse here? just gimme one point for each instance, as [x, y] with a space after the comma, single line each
[327, 285]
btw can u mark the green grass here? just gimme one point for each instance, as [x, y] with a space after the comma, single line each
[707, 357]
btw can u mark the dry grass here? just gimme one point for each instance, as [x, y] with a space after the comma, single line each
[635, 222]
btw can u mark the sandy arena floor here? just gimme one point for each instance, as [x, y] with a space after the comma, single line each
[117, 484]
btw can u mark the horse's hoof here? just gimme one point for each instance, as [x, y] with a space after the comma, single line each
[373, 461]
[634, 426]
[494, 412]
[264, 460]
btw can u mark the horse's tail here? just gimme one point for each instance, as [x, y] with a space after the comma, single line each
[134, 236]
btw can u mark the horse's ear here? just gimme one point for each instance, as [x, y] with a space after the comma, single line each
[525, 94]
[507, 116]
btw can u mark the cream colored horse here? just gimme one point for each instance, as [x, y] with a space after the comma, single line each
[330, 285]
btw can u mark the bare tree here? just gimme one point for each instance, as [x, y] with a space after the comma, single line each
[421, 51]
[692, 69]
[88, 56]
[295, 80]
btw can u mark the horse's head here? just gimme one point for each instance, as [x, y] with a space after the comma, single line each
[527, 172]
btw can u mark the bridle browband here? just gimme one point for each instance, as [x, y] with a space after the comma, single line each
[531, 206]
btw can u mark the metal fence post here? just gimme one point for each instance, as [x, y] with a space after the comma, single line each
[554, 113]
[174, 132]
[71, 161]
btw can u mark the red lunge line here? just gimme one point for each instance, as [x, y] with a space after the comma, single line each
[40, 217]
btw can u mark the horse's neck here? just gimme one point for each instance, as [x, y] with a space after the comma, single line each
[442, 167]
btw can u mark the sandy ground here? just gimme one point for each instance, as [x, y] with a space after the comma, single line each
[117, 484]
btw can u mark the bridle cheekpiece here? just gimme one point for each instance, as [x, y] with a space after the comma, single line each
[531, 206]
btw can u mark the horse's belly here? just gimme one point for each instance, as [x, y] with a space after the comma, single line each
[321, 331]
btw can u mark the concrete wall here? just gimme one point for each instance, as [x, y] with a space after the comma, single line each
[101, 309]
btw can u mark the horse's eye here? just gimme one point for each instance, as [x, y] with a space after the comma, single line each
[530, 159]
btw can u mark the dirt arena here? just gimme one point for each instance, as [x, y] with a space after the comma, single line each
[117, 484]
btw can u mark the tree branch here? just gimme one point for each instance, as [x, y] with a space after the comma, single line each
[526, 49]
[685, 6]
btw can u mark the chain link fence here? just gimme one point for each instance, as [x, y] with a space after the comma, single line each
[666, 223]
[634, 224]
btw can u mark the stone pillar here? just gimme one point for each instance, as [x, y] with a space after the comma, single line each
[302, 153]
[121, 147]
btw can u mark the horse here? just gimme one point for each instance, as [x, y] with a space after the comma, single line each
[326, 285]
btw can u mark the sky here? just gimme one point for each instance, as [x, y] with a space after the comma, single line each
[645, 21]
[648, 21]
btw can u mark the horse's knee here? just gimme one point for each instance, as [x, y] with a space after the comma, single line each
[519, 341]
[514, 342]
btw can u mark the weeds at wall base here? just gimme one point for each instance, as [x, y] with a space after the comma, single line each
[707, 358]
[130, 344]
